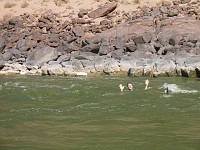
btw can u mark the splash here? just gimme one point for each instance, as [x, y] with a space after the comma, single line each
[176, 89]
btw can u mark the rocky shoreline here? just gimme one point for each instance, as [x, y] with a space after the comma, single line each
[157, 41]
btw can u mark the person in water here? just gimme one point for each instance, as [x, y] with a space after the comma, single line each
[130, 86]
[146, 84]
[121, 87]
[166, 91]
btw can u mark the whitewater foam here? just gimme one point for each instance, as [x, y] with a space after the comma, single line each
[177, 89]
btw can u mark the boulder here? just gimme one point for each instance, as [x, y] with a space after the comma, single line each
[111, 66]
[88, 65]
[39, 56]
[68, 68]
[7, 56]
[103, 11]
[99, 64]
[165, 68]
[197, 72]
[94, 48]
[130, 47]
[136, 71]
[77, 65]
[55, 69]
[82, 12]
[78, 31]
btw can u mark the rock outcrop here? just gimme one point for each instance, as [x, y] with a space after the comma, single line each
[158, 41]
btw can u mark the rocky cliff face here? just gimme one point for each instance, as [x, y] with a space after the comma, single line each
[163, 40]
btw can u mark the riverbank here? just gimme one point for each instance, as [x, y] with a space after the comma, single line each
[68, 38]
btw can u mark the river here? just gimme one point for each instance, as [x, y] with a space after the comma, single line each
[91, 113]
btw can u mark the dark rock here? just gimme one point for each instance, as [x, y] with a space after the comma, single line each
[94, 48]
[82, 12]
[2, 44]
[78, 21]
[105, 22]
[173, 12]
[130, 47]
[16, 22]
[81, 57]
[66, 25]
[53, 41]
[70, 47]
[68, 37]
[103, 11]
[184, 73]
[197, 72]
[43, 20]
[104, 50]
[7, 56]
[138, 40]
[157, 46]
[78, 31]
[117, 53]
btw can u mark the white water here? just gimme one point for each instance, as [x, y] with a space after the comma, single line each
[177, 89]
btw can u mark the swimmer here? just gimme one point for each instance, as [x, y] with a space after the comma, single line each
[166, 91]
[121, 87]
[130, 86]
[146, 84]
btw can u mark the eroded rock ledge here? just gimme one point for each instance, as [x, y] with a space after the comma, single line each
[160, 41]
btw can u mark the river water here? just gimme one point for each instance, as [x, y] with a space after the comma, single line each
[91, 113]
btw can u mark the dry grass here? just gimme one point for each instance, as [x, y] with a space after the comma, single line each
[24, 4]
[9, 5]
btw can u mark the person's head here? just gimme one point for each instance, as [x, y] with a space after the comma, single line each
[130, 86]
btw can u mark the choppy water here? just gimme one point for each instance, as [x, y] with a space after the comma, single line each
[92, 114]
